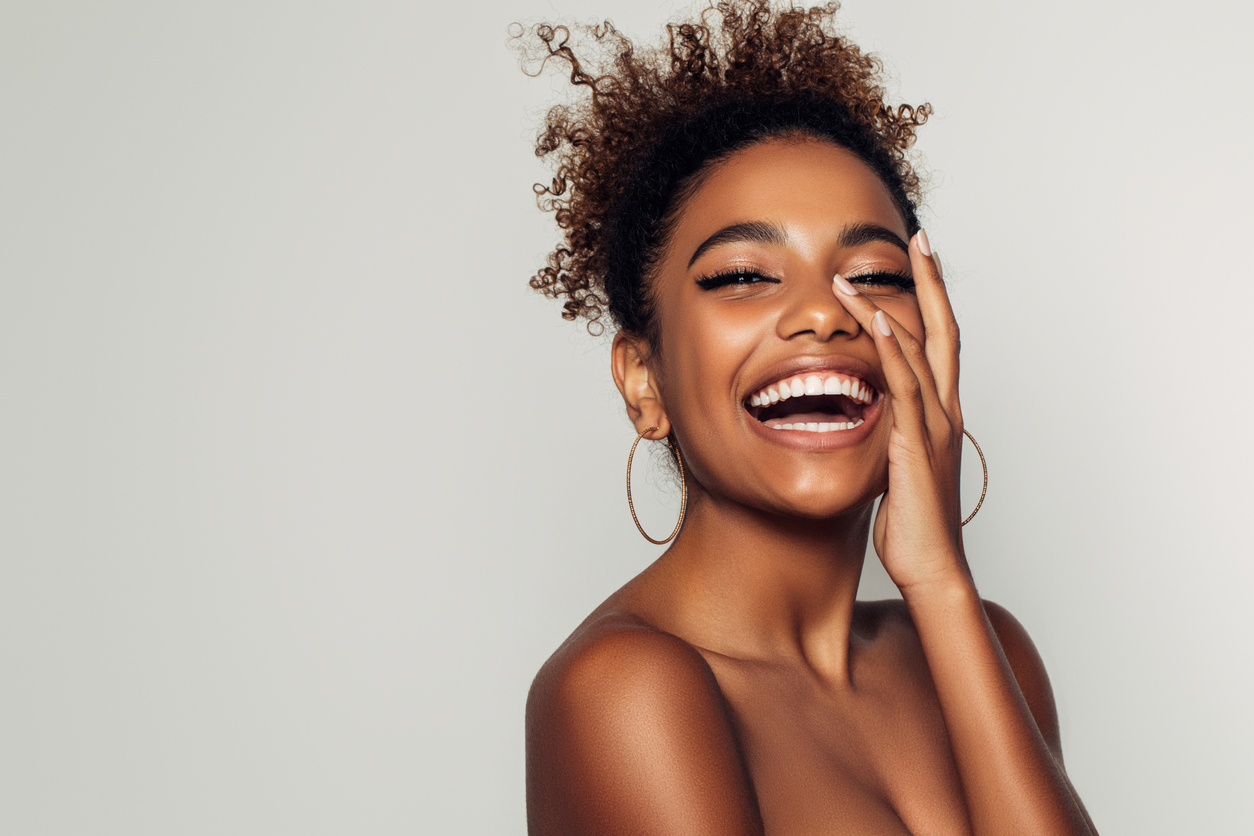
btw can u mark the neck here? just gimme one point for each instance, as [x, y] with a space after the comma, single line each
[749, 584]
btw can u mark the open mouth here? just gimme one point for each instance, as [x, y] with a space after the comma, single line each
[817, 402]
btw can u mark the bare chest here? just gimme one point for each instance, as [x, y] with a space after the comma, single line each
[872, 760]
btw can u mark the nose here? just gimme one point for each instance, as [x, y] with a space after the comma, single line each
[815, 310]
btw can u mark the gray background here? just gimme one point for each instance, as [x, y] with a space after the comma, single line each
[299, 484]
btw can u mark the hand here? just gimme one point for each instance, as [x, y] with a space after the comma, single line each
[917, 530]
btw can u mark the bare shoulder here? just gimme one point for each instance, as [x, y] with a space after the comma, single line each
[1029, 671]
[615, 655]
[627, 731]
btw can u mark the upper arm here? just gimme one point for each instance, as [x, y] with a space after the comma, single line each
[627, 732]
[1029, 670]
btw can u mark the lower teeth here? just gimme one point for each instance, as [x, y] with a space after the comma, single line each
[817, 428]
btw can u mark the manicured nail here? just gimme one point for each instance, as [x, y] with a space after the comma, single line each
[940, 271]
[844, 286]
[924, 246]
[881, 322]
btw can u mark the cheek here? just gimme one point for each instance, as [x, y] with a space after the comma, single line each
[705, 346]
[703, 353]
[906, 311]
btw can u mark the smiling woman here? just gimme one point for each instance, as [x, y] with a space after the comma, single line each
[741, 204]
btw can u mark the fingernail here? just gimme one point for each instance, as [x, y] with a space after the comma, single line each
[881, 322]
[924, 246]
[940, 271]
[844, 286]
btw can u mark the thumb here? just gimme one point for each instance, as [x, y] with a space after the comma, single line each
[881, 525]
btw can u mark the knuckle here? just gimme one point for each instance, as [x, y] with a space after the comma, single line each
[911, 389]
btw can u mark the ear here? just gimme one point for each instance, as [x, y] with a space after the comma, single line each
[638, 386]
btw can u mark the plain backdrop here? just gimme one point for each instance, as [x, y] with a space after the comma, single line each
[300, 484]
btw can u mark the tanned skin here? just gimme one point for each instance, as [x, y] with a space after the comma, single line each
[736, 686]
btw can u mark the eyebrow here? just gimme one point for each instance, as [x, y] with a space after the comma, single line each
[756, 232]
[857, 234]
[760, 232]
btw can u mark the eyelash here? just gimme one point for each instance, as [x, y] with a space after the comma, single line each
[738, 276]
[883, 277]
[744, 277]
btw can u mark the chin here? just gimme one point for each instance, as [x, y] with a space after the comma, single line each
[825, 501]
[823, 508]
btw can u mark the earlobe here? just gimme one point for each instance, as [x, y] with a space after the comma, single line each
[638, 385]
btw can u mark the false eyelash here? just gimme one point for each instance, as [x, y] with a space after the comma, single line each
[883, 277]
[737, 275]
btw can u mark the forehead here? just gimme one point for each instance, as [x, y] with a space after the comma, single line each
[795, 182]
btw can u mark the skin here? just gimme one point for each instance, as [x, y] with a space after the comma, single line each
[736, 686]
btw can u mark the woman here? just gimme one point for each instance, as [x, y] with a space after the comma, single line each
[741, 205]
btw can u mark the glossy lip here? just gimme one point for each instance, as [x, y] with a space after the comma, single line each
[802, 439]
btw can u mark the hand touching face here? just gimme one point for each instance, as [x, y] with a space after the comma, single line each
[755, 350]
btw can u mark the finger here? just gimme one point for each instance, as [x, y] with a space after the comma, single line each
[905, 362]
[903, 384]
[940, 327]
[912, 386]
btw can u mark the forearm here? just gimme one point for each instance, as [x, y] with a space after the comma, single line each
[1011, 779]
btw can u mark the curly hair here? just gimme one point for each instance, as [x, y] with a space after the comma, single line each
[651, 123]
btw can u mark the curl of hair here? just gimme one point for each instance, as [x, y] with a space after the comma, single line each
[650, 123]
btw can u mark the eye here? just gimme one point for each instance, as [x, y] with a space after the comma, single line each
[738, 276]
[885, 279]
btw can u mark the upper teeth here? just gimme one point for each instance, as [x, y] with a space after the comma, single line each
[825, 383]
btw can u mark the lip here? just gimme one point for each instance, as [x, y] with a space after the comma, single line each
[793, 366]
[802, 440]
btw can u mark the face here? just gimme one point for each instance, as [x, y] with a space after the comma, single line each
[775, 393]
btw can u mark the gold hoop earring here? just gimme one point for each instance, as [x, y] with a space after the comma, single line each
[984, 465]
[683, 499]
